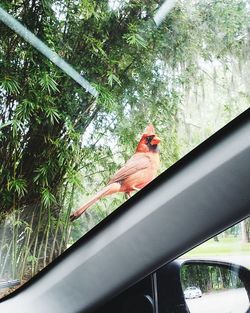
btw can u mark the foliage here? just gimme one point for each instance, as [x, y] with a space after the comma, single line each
[209, 278]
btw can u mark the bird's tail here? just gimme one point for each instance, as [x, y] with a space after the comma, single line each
[108, 190]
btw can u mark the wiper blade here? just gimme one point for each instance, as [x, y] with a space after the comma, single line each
[163, 11]
[21, 30]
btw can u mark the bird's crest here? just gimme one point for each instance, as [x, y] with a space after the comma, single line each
[149, 130]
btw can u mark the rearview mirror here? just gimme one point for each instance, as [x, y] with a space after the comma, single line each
[215, 287]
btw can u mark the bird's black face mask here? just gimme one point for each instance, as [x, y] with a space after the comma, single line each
[152, 147]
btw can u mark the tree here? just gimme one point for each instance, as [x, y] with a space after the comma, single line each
[245, 227]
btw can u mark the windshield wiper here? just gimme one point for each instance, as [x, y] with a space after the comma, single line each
[26, 34]
[163, 11]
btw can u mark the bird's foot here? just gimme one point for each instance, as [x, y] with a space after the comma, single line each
[127, 195]
[73, 217]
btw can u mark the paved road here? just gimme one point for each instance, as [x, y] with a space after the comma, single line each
[230, 301]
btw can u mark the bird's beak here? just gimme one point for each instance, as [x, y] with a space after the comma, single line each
[155, 141]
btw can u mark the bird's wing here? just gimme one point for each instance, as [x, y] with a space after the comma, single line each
[137, 163]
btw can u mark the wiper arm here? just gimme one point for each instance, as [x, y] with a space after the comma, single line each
[163, 11]
[21, 30]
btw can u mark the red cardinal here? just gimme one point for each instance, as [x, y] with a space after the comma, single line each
[137, 172]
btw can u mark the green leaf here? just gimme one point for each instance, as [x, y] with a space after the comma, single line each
[42, 175]
[48, 83]
[47, 197]
[105, 99]
[25, 109]
[10, 85]
[31, 258]
[17, 127]
[73, 178]
[19, 186]
[113, 78]
[135, 40]
[52, 114]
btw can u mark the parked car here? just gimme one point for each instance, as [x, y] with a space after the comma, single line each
[192, 292]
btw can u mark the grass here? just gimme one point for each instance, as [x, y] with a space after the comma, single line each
[225, 246]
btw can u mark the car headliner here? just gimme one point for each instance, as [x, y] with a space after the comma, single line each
[203, 193]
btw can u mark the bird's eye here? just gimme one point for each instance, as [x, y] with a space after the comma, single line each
[149, 138]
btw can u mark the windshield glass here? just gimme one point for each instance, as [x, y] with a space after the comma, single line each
[82, 87]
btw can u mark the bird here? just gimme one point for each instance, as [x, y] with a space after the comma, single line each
[135, 174]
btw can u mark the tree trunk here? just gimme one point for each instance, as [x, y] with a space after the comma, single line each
[216, 238]
[245, 231]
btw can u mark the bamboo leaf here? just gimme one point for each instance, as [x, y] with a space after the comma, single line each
[18, 185]
[10, 85]
[52, 114]
[25, 109]
[113, 78]
[47, 197]
[48, 83]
